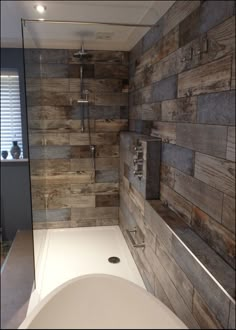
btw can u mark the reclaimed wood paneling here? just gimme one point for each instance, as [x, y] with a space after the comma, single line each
[228, 216]
[230, 153]
[208, 78]
[179, 110]
[80, 139]
[107, 70]
[216, 172]
[210, 108]
[178, 157]
[167, 175]
[165, 89]
[107, 200]
[107, 175]
[212, 15]
[220, 41]
[108, 99]
[203, 314]
[165, 131]
[200, 194]
[219, 238]
[207, 139]
[177, 13]
[172, 293]
[177, 203]
[111, 125]
[210, 291]
[94, 213]
[187, 34]
[180, 280]
[233, 73]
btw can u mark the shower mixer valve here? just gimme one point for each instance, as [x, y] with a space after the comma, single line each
[138, 160]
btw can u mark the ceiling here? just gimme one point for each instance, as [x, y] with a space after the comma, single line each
[95, 36]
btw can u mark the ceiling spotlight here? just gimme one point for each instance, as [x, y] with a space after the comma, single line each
[41, 9]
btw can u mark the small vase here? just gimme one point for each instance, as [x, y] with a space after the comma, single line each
[4, 154]
[15, 150]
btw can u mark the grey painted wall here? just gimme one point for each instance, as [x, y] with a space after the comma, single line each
[15, 184]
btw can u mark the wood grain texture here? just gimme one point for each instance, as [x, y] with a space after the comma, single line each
[177, 13]
[216, 172]
[230, 153]
[200, 194]
[210, 108]
[111, 125]
[172, 293]
[219, 238]
[177, 203]
[179, 110]
[207, 139]
[208, 78]
[79, 139]
[228, 216]
[203, 314]
[164, 130]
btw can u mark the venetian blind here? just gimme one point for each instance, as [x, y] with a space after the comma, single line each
[10, 111]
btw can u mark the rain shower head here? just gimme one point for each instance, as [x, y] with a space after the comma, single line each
[81, 53]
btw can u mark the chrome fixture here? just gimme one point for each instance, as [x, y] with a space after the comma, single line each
[138, 160]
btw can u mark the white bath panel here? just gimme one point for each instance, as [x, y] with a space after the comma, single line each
[73, 252]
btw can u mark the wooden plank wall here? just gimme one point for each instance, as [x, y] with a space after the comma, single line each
[66, 190]
[182, 90]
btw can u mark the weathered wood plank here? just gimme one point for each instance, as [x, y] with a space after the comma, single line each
[167, 175]
[212, 15]
[178, 157]
[94, 213]
[232, 319]
[200, 194]
[179, 110]
[207, 78]
[81, 164]
[209, 139]
[164, 130]
[210, 108]
[108, 99]
[54, 84]
[220, 41]
[179, 306]
[66, 178]
[219, 238]
[70, 200]
[107, 70]
[233, 73]
[230, 153]
[177, 276]
[49, 166]
[51, 215]
[74, 70]
[42, 139]
[177, 203]
[42, 113]
[111, 125]
[107, 200]
[165, 89]
[107, 175]
[95, 188]
[228, 216]
[81, 139]
[49, 152]
[177, 13]
[202, 313]
[209, 290]
[216, 172]
[187, 34]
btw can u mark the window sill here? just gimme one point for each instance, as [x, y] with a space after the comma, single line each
[20, 160]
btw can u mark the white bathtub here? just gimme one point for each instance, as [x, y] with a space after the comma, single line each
[101, 302]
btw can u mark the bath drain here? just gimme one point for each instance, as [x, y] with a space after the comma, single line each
[114, 260]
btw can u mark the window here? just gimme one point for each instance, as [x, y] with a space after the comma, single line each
[10, 111]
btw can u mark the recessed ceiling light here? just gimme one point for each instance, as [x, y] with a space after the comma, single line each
[40, 8]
